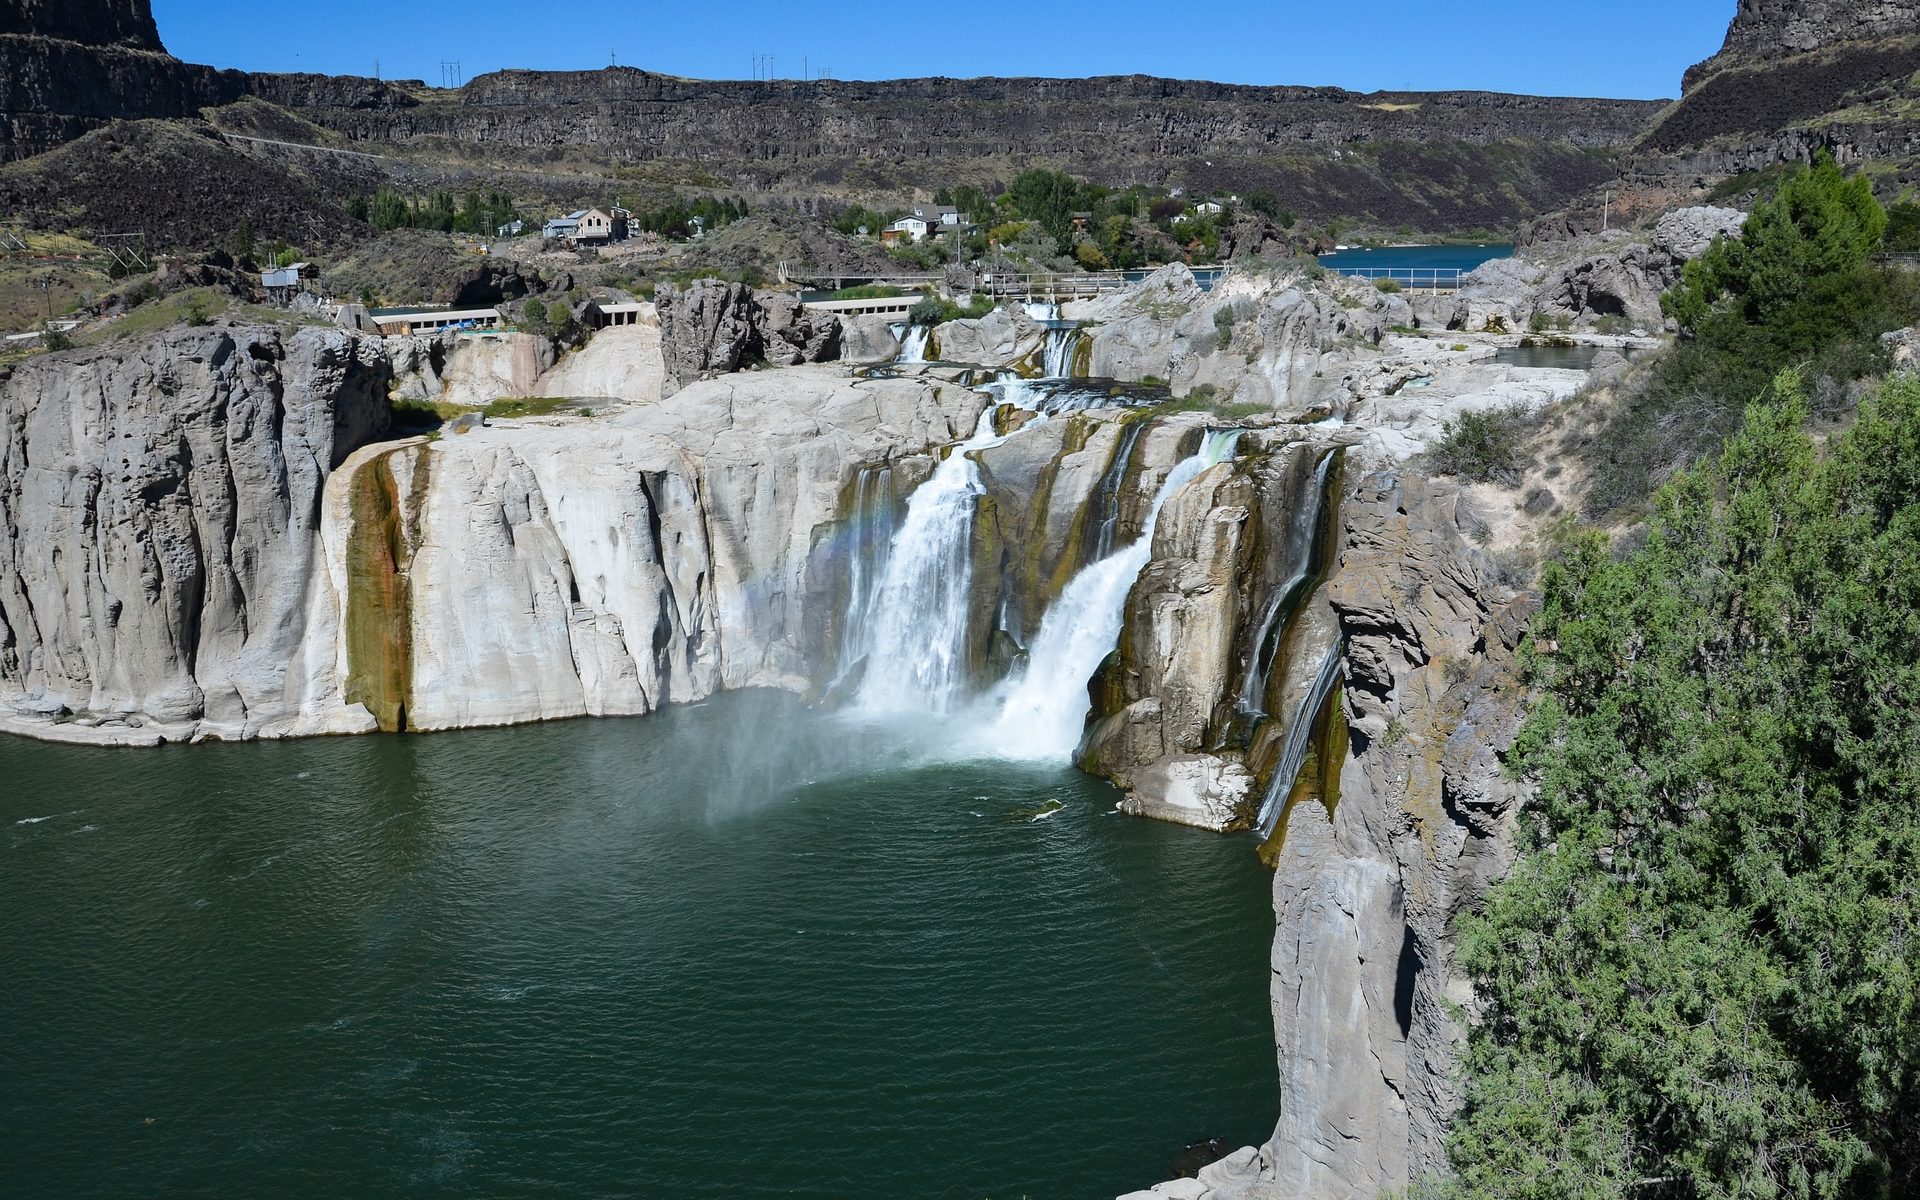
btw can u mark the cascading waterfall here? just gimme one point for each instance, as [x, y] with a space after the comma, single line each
[1300, 547]
[1106, 497]
[913, 344]
[871, 528]
[916, 623]
[1041, 713]
[1056, 359]
[1293, 751]
[1041, 311]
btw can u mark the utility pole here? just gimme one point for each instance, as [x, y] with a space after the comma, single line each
[1606, 209]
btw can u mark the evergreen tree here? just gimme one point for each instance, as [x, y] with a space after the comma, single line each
[1702, 977]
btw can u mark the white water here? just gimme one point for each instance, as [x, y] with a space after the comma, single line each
[916, 627]
[1057, 360]
[913, 344]
[1041, 713]
[1039, 311]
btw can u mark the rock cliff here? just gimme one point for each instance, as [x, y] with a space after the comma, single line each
[1768, 29]
[158, 509]
[197, 539]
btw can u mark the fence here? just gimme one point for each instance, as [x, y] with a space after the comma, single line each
[1438, 279]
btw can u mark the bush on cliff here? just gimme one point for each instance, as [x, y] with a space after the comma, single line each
[1799, 287]
[1702, 978]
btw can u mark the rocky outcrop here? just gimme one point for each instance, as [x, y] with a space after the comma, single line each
[158, 512]
[124, 23]
[1396, 157]
[1001, 338]
[1621, 275]
[1769, 29]
[714, 327]
[1371, 874]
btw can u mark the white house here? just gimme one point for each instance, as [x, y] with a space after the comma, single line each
[1208, 208]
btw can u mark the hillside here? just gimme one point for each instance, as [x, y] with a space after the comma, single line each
[1432, 161]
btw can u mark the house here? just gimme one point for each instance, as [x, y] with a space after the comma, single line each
[612, 314]
[601, 226]
[906, 229]
[562, 227]
[513, 228]
[1207, 208]
[1080, 219]
[925, 220]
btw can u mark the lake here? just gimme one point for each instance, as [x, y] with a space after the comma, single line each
[734, 949]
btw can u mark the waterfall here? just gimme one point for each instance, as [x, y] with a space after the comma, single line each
[1039, 311]
[1042, 712]
[870, 529]
[1056, 360]
[913, 344]
[1106, 497]
[1293, 752]
[1301, 550]
[916, 624]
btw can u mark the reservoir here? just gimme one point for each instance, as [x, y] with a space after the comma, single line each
[736, 949]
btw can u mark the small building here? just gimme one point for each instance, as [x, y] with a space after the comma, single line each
[283, 283]
[404, 322]
[513, 228]
[611, 314]
[562, 227]
[1208, 208]
[1080, 219]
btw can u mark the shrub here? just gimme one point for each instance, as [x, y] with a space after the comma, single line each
[1538, 322]
[55, 339]
[1223, 323]
[1384, 284]
[197, 312]
[1486, 446]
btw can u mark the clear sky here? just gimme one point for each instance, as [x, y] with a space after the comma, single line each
[1626, 48]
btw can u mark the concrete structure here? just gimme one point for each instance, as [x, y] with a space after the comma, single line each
[609, 314]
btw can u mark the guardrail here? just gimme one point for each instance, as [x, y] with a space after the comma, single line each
[1423, 278]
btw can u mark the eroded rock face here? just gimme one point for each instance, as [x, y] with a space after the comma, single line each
[126, 23]
[713, 327]
[189, 549]
[1588, 278]
[1764, 29]
[158, 509]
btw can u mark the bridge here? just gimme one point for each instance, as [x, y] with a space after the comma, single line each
[1055, 287]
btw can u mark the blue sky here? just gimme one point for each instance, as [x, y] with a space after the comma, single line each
[1628, 48]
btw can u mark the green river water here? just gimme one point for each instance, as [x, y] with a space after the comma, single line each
[732, 950]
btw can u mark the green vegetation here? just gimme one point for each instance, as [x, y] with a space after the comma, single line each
[1206, 398]
[422, 414]
[936, 310]
[1488, 446]
[388, 208]
[869, 291]
[1903, 228]
[1702, 978]
[1799, 287]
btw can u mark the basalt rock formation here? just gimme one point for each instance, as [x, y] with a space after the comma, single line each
[1794, 78]
[713, 327]
[1443, 159]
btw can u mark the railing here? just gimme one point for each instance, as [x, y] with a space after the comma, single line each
[1424, 278]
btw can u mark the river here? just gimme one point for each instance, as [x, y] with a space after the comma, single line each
[737, 949]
